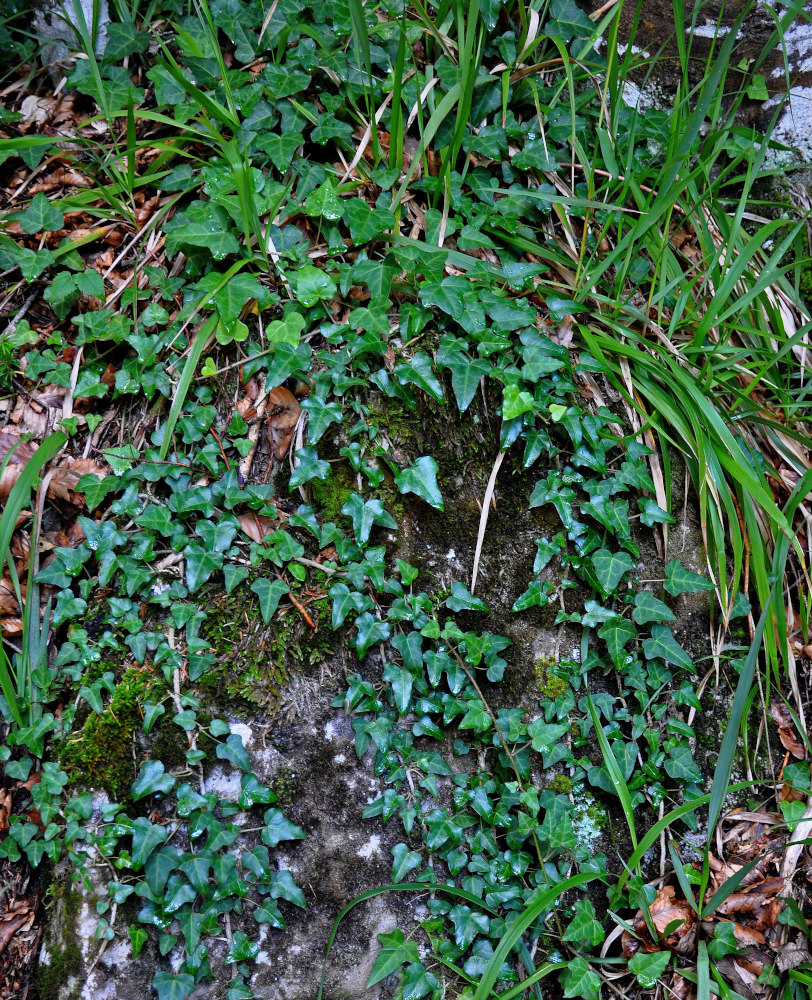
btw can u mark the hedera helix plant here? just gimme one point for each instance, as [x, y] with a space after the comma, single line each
[492, 149]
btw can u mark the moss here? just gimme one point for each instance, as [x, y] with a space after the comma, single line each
[255, 661]
[550, 685]
[284, 786]
[330, 495]
[65, 956]
[561, 785]
[100, 753]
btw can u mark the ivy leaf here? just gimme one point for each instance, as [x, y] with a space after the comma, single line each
[312, 285]
[234, 576]
[346, 600]
[284, 887]
[651, 513]
[421, 478]
[682, 767]
[270, 593]
[584, 927]
[365, 514]
[649, 967]
[401, 681]
[610, 568]
[308, 466]
[476, 717]
[146, 837]
[466, 374]
[536, 595]
[462, 599]
[545, 735]
[320, 416]
[277, 828]
[364, 222]
[152, 780]
[679, 580]
[404, 861]
[203, 224]
[515, 402]
[579, 980]
[663, 644]
[40, 216]
[647, 608]
[200, 564]
[395, 952]
[417, 982]
[171, 987]
[371, 631]
[467, 924]
[616, 633]
[234, 751]
[280, 148]
[420, 373]
[323, 203]
[242, 948]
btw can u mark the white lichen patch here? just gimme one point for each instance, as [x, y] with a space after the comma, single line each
[588, 817]
[245, 732]
[370, 848]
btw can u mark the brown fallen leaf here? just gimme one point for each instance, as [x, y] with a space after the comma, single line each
[283, 412]
[780, 715]
[65, 478]
[256, 526]
[665, 911]
[14, 921]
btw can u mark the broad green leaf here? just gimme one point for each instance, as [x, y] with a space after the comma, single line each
[466, 374]
[40, 216]
[649, 967]
[421, 478]
[270, 593]
[610, 567]
[404, 861]
[280, 148]
[365, 514]
[203, 224]
[242, 948]
[679, 580]
[651, 514]
[420, 373]
[320, 415]
[277, 828]
[173, 987]
[312, 285]
[308, 466]
[461, 599]
[234, 751]
[284, 887]
[152, 780]
[346, 600]
[324, 203]
[467, 924]
[584, 927]
[401, 680]
[146, 837]
[544, 735]
[536, 595]
[579, 980]
[647, 608]
[365, 223]
[395, 952]
[663, 644]
[616, 632]
[681, 766]
[515, 402]
[418, 982]
[371, 631]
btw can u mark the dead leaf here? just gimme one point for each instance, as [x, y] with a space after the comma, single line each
[14, 921]
[8, 599]
[65, 478]
[283, 412]
[780, 715]
[256, 526]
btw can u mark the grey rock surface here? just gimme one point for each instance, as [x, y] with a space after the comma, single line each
[60, 24]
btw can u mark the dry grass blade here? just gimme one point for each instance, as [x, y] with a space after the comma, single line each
[483, 517]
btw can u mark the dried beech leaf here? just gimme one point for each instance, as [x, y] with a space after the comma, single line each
[256, 526]
[283, 412]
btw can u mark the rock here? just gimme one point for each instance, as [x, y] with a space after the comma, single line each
[654, 42]
[58, 27]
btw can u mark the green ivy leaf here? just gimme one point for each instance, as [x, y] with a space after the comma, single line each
[610, 567]
[649, 967]
[515, 402]
[467, 924]
[283, 886]
[404, 861]
[242, 948]
[395, 952]
[371, 631]
[679, 580]
[364, 222]
[345, 601]
[308, 466]
[663, 644]
[365, 514]
[152, 780]
[313, 285]
[682, 767]
[647, 608]
[417, 982]
[146, 837]
[461, 599]
[173, 987]
[545, 735]
[203, 224]
[579, 980]
[40, 216]
[234, 751]
[401, 681]
[233, 576]
[466, 374]
[584, 928]
[651, 513]
[320, 415]
[270, 593]
[420, 373]
[421, 478]
[616, 632]
[277, 828]
[280, 148]
[323, 203]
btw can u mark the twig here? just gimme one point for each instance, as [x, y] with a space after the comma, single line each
[483, 517]
[11, 328]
